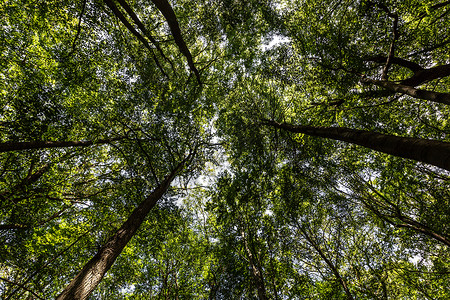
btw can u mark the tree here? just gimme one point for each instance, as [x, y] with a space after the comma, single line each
[178, 149]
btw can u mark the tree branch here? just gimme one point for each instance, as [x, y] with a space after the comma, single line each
[384, 75]
[425, 75]
[141, 26]
[78, 29]
[22, 287]
[125, 22]
[167, 11]
[396, 60]
[18, 146]
[428, 151]
[437, 97]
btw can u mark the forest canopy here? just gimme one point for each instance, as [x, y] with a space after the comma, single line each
[225, 149]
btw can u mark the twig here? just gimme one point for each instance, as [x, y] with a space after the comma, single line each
[78, 30]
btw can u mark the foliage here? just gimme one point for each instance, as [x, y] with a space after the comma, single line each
[257, 212]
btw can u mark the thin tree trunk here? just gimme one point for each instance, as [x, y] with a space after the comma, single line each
[372, 204]
[419, 227]
[17, 146]
[141, 26]
[167, 11]
[328, 262]
[411, 91]
[432, 152]
[256, 272]
[130, 27]
[94, 270]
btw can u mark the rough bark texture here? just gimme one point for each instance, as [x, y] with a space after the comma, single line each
[16, 146]
[94, 270]
[433, 152]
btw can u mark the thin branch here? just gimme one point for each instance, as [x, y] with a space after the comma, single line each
[22, 287]
[141, 26]
[125, 22]
[18, 146]
[47, 263]
[396, 60]
[167, 11]
[430, 48]
[78, 30]
[436, 6]
[384, 75]
[373, 105]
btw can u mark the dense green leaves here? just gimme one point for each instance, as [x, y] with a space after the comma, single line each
[101, 100]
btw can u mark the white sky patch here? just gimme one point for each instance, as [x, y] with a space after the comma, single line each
[268, 212]
[276, 40]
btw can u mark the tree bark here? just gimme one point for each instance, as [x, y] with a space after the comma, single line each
[411, 91]
[167, 11]
[17, 146]
[424, 75]
[432, 152]
[396, 60]
[94, 270]
[256, 272]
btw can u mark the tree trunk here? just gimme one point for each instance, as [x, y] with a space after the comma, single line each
[167, 11]
[256, 271]
[17, 146]
[328, 262]
[130, 27]
[94, 270]
[432, 152]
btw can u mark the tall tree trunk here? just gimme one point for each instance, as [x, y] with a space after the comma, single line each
[17, 146]
[432, 152]
[256, 271]
[94, 270]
